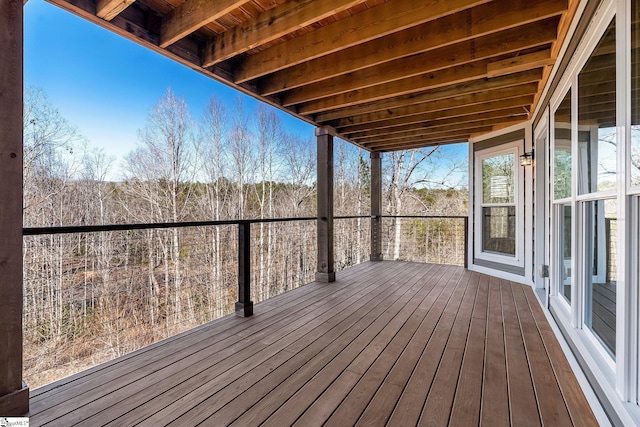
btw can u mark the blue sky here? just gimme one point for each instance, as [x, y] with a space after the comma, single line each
[105, 84]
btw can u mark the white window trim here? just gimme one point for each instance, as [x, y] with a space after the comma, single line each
[515, 148]
[542, 142]
[555, 272]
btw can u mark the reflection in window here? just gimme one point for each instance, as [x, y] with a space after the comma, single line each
[497, 179]
[565, 244]
[562, 149]
[499, 230]
[635, 94]
[597, 117]
[499, 204]
[600, 270]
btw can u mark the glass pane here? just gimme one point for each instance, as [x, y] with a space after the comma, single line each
[565, 247]
[497, 179]
[635, 94]
[600, 270]
[499, 230]
[562, 149]
[597, 117]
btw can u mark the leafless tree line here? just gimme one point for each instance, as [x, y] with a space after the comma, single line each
[90, 297]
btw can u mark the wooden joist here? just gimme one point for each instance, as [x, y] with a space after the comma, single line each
[445, 31]
[439, 106]
[494, 45]
[365, 67]
[191, 15]
[450, 113]
[437, 122]
[520, 63]
[473, 87]
[109, 9]
[271, 25]
[368, 25]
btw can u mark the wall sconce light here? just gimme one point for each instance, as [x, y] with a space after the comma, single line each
[526, 159]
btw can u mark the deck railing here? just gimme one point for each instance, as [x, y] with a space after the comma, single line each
[432, 239]
[92, 293]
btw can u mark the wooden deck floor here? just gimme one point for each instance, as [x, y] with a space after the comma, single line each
[391, 343]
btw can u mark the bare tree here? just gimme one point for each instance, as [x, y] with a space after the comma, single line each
[162, 170]
[268, 137]
[405, 170]
[49, 143]
[299, 169]
[213, 135]
[241, 144]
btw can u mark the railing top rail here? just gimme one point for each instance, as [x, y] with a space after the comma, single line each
[425, 216]
[33, 231]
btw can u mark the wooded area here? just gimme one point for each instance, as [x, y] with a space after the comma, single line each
[90, 297]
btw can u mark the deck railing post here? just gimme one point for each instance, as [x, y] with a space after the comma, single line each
[244, 306]
[466, 242]
[325, 271]
[14, 394]
[376, 206]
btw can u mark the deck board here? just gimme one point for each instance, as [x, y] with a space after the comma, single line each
[392, 343]
[522, 398]
[551, 404]
[495, 393]
[374, 362]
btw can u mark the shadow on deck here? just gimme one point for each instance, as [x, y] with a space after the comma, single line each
[390, 342]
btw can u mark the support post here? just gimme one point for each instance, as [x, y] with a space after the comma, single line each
[244, 306]
[14, 394]
[466, 242]
[325, 272]
[376, 206]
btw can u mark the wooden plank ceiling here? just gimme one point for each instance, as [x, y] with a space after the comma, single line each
[385, 75]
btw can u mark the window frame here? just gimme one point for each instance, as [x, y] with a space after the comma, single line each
[514, 148]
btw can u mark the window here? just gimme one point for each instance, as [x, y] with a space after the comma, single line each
[635, 96]
[597, 175]
[562, 149]
[597, 136]
[498, 205]
[499, 226]
[562, 191]
[600, 226]
[565, 219]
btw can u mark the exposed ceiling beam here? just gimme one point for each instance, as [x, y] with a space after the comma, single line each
[370, 24]
[482, 85]
[501, 126]
[192, 15]
[439, 79]
[520, 63]
[465, 25]
[271, 25]
[439, 106]
[436, 137]
[493, 45]
[109, 9]
[438, 115]
[420, 143]
[446, 125]
[439, 133]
